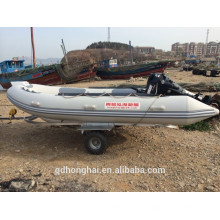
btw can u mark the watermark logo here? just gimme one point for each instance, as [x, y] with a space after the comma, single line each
[108, 170]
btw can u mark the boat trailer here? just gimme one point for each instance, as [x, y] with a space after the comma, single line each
[95, 141]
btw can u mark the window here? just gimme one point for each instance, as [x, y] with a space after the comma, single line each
[10, 64]
[13, 64]
[112, 62]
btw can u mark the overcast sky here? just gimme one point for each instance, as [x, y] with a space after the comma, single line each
[16, 41]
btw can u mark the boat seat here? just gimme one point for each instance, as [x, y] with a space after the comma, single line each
[71, 90]
[123, 91]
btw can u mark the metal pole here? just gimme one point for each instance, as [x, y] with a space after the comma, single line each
[206, 43]
[33, 48]
[131, 52]
[63, 46]
[64, 50]
[108, 34]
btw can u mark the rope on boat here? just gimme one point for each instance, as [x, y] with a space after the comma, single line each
[148, 109]
[84, 94]
[117, 97]
[66, 97]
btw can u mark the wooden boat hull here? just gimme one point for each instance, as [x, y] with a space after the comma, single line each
[132, 71]
[48, 77]
[134, 75]
[86, 75]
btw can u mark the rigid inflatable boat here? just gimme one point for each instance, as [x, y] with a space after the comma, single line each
[162, 102]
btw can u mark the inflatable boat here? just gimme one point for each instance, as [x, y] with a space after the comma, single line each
[161, 102]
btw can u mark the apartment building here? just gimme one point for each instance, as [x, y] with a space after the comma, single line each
[213, 48]
[189, 49]
[192, 49]
[179, 49]
[218, 49]
[200, 50]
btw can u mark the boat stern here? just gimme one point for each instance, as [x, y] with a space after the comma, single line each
[216, 111]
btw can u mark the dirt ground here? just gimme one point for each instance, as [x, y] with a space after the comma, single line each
[191, 159]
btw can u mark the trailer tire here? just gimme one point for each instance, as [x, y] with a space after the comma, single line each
[213, 73]
[195, 72]
[204, 73]
[96, 142]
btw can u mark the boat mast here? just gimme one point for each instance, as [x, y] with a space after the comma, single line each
[131, 52]
[33, 48]
[64, 50]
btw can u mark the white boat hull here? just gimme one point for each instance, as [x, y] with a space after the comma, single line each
[83, 105]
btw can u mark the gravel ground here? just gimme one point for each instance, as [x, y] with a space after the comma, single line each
[30, 154]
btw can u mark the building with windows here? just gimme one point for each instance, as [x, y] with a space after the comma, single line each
[200, 51]
[178, 49]
[212, 49]
[192, 49]
[196, 49]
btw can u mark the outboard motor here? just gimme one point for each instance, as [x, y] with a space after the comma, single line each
[160, 84]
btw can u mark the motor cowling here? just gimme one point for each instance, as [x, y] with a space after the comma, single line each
[159, 84]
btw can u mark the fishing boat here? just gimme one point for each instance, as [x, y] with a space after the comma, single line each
[14, 70]
[125, 72]
[161, 102]
[46, 75]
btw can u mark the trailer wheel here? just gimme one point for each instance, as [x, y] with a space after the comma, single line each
[204, 73]
[96, 142]
[213, 73]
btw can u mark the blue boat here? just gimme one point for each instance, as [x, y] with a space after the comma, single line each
[9, 66]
